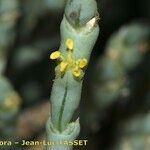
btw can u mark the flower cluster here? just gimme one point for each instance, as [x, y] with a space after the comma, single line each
[68, 62]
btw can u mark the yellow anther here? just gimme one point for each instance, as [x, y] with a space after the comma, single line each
[63, 66]
[69, 44]
[55, 55]
[82, 63]
[12, 102]
[76, 72]
[67, 62]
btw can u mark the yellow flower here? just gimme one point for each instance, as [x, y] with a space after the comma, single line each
[69, 44]
[55, 55]
[76, 72]
[67, 61]
[82, 63]
[12, 101]
[63, 66]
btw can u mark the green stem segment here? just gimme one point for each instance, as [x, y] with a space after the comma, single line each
[66, 91]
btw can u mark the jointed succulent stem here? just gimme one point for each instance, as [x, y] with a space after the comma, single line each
[79, 32]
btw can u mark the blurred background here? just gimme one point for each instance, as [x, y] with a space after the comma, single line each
[114, 110]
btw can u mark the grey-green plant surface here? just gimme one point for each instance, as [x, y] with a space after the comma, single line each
[9, 107]
[79, 31]
[124, 51]
[9, 99]
[136, 134]
[9, 13]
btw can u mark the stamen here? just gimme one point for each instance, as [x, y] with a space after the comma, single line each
[82, 63]
[55, 55]
[69, 44]
[76, 72]
[63, 66]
